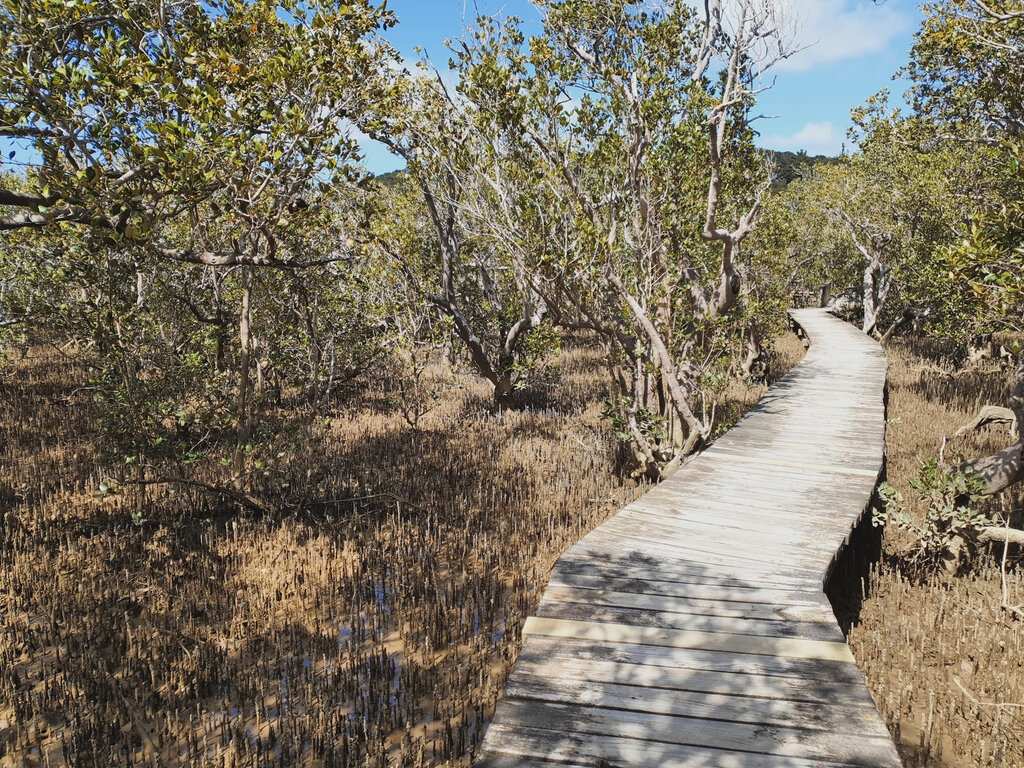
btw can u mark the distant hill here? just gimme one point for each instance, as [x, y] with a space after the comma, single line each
[391, 178]
[788, 164]
[787, 167]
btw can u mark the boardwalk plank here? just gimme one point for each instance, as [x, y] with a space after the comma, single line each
[607, 631]
[694, 732]
[551, 608]
[694, 669]
[707, 552]
[675, 603]
[632, 561]
[858, 719]
[710, 550]
[688, 591]
[739, 532]
[601, 751]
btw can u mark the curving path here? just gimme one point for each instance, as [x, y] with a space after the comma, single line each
[690, 629]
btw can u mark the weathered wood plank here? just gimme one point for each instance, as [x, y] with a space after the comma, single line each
[747, 521]
[801, 465]
[812, 496]
[698, 548]
[610, 632]
[742, 513]
[860, 718]
[687, 591]
[742, 490]
[739, 532]
[632, 561]
[646, 600]
[696, 545]
[690, 669]
[686, 731]
[600, 751]
[702, 622]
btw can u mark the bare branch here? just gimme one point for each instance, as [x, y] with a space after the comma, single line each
[998, 15]
[242, 498]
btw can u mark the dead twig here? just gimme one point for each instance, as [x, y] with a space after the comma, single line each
[383, 495]
[979, 702]
[242, 498]
[1015, 610]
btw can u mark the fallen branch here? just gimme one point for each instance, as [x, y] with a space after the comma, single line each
[992, 414]
[909, 316]
[994, 533]
[383, 495]
[979, 702]
[242, 498]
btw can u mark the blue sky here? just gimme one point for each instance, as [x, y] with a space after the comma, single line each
[851, 50]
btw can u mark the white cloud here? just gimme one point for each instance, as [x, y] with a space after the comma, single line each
[816, 138]
[835, 30]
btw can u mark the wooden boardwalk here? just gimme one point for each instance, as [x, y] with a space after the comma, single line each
[691, 629]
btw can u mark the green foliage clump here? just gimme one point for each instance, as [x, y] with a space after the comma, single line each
[951, 519]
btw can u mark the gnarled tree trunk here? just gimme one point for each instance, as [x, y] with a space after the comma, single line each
[909, 316]
[877, 280]
[244, 374]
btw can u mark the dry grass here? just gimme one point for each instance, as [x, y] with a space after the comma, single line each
[375, 627]
[944, 663]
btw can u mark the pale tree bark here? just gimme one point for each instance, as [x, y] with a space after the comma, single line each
[877, 281]
[643, 232]
[444, 217]
[877, 277]
[755, 352]
[496, 369]
[629, 294]
[729, 282]
[995, 534]
[440, 194]
[825, 295]
[1006, 468]
[140, 289]
[996, 473]
[754, 26]
[244, 374]
[221, 325]
[730, 279]
[992, 414]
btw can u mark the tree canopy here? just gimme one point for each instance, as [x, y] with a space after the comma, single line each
[196, 216]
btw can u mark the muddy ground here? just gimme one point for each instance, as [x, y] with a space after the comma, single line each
[372, 626]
